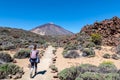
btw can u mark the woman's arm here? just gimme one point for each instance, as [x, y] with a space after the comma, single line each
[37, 53]
[30, 54]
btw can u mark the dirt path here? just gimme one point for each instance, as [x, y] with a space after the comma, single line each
[43, 67]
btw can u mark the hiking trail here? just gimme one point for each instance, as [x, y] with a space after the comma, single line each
[43, 71]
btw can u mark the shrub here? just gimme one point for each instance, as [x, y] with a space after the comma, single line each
[80, 47]
[90, 72]
[22, 54]
[54, 68]
[64, 74]
[73, 72]
[112, 76]
[87, 68]
[9, 47]
[5, 57]
[96, 38]
[71, 54]
[79, 78]
[91, 76]
[80, 39]
[9, 69]
[88, 52]
[71, 47]
[114, 56]
[55, 45]
[98, 47]
[68, 74]
[90, 45]
[107, 56]
[64, 52]
[107, 67]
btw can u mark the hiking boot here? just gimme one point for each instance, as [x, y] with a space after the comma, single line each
[35, 72]
[30, 75]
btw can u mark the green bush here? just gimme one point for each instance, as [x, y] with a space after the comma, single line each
[87, 68]
[5, 57]
[64, 75]
[107, 56]
[112, 76]
[68, 74]
[91, 76]
[82, 37]
[22, 54]
[105, 71]
[107, 67]
[64, 52]
[90, 45]
[71, 47]
[88, 52]
[98, 47]
[6, 69]
[96, 38]
[9, 47]
[54, 68]
[79, 78]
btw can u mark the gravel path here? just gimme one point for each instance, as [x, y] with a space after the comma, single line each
[43, 67]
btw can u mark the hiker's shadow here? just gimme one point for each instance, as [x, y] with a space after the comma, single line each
[40, 72]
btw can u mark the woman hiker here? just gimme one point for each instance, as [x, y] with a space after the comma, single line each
[34, 60]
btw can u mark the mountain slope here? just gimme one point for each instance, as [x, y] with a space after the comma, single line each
[109, 29]
[51, 29]
[14, 38]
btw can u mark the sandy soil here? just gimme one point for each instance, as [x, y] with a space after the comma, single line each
[63, 63]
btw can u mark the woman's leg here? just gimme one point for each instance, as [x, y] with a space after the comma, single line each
[32, 67]
[35, 67]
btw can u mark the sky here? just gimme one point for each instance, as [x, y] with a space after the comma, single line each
[70, 14]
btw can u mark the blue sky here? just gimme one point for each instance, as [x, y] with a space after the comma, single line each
[70, 14]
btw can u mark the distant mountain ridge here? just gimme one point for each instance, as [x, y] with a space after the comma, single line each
[51, 29]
